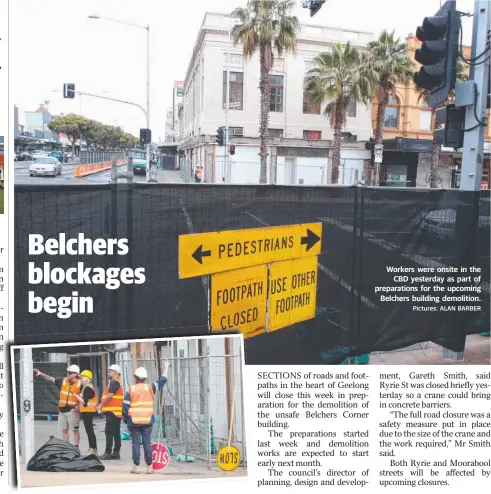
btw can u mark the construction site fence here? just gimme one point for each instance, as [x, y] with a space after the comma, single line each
[200, 405]
[88, 157]
[364, 230]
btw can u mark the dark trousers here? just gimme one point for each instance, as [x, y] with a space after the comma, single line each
[113, 433]
[138, 434]
[88, 419]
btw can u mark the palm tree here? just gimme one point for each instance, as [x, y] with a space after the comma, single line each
[436, 148]
[265, 26]
[337, 77]
[390, 59]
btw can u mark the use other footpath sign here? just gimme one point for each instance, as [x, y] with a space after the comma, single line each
[228, 458]
[238, 300]
[292, 292]
[216, 252]
[262, 298]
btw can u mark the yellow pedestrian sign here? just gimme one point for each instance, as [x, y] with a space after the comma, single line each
[292, 292]
[228, 458]
[238, 300]
[215, 252]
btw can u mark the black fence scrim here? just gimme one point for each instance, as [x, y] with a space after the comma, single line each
[364, 231]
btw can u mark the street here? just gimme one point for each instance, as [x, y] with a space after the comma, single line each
[21, 176]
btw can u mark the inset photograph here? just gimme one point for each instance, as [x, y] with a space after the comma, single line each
[108, 412]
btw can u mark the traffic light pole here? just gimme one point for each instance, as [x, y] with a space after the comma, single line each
[472, 156]
[467, 219]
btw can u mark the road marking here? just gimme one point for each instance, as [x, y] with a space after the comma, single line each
[417, 258]
[323, 268]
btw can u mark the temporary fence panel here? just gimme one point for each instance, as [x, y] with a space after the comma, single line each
[364, 231]
[194, 412]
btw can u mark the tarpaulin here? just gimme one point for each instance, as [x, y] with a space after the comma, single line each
[57, 455]
[364, 231]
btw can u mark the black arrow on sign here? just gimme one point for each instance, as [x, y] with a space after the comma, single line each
[310, 240]
[199, 253]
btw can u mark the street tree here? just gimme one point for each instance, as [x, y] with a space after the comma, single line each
[265, 26]
[73, 126]
[390, 59]
[462, 74]
[338, 77]
[127, 141]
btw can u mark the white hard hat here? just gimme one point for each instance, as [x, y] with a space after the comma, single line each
[115, 368]
[141, 373]
[74, 368]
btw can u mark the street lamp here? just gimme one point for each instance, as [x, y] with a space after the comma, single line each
[147, 28]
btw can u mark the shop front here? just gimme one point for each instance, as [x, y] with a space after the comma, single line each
[456, 172]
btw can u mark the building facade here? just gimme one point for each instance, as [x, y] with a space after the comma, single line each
[300, 144]
[408, 138]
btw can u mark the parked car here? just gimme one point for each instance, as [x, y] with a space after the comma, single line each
[45, 165]
[25, 157]
[59, 156]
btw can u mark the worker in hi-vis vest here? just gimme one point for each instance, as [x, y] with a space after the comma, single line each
[88, 408]
[111, 405]
[138, 415]
[68, 403]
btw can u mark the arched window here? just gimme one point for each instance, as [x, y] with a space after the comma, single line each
[425, 114]
[391, 115]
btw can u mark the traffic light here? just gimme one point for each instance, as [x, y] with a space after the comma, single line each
[220, 136]
[315, 6]
[452, 135]
[69, 91]
[438, 53]
[232, 149]
[145, 136]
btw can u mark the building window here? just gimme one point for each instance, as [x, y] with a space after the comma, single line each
[309, 107]
[275, 132]
[236, 90]
[311, 134]
[276, 98]
[391, 115]
[351, 108]
[425, 119]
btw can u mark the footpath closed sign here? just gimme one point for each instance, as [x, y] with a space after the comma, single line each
[238, 300]
[293, 289]
[216, 252]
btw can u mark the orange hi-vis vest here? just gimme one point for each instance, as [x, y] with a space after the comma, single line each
[91, 404]
[141, 403]
[198, 173]
[115, 404]
[68, 391]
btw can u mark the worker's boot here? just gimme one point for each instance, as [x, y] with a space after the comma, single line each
[92, 451]
[149, 469]
[116, 456]
[106, 456]
[135, 469]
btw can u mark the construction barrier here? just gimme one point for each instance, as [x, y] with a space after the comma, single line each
[83, 170]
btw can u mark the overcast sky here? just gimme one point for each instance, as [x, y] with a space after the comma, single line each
[53, 42]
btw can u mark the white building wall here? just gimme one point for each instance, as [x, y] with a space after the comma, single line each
[204, 114]
[352, 165]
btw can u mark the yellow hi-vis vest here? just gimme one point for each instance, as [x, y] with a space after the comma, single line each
[115, 404]
[141, 404]
[68, 391]
[91, 404]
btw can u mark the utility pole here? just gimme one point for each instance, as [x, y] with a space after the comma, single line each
[148, 101]
[227, 108]
[466, 225]
[26, 404]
